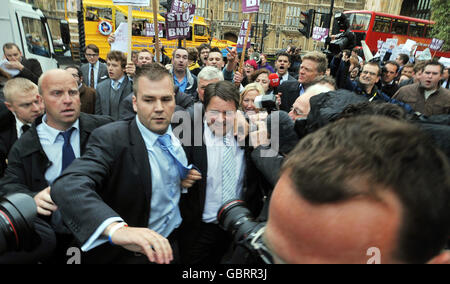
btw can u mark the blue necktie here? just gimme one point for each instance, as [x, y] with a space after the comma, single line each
[68, 155]
[167, 146]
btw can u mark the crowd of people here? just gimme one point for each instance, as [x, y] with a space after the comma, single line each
[131, 161]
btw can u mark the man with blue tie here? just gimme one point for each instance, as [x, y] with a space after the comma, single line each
[129, 182]
[50, 145]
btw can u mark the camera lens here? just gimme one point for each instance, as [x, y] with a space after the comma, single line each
[234, 217]
[17, 212]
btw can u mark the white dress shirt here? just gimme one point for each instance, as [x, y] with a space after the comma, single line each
[214, 146]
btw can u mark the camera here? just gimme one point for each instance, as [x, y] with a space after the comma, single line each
[267, 102]
[17, 213]
[235, 218]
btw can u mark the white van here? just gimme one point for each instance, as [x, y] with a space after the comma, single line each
[27, 27]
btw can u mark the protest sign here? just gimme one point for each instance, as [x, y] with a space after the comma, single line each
[250, 6]
[149, 29]
[436, 44]
[179, 6]
[121, 38]
[177, 25]
[320, 34]
[242, 34]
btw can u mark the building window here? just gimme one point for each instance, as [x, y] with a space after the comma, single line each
[201, 8]
[231, 8]
[293, 15]
[264, 13]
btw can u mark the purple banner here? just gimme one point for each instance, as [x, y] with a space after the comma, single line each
[250, 6]
[320, 33]
[242, 34]
[177, 25]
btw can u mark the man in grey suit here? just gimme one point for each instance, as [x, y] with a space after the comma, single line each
[94, 72]
[111, 92]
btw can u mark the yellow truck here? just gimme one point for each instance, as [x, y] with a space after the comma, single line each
[101, 18]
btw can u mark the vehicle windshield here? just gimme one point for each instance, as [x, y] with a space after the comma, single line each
[359, 22]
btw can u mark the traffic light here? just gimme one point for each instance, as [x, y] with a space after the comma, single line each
[307, 23]
[264, 30]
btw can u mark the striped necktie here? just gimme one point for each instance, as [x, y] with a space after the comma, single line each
[92, 79]
[229, 179]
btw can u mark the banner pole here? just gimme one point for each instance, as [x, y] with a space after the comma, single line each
[130, 23]
[155, 4]
[244, 48]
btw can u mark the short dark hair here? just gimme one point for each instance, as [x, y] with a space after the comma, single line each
[225, 90]
[394, 154]
[153, 72]
[404, 58]
[284, 54]
[392, 63]
[118, 56]
[92, 47]
[80, 74]
[373, 64]
[435, 63]
[10, 45]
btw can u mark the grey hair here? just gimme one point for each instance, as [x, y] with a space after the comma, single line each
[209, 73]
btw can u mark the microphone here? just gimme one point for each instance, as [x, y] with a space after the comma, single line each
[274, 82]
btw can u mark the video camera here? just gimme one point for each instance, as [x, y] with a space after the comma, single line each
[235, 218]
[344, 40]
[17, 213]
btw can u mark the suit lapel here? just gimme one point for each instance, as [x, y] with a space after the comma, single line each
[140, 157]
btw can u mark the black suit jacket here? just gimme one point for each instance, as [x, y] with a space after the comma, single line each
[111, 179]
[290, 91]
[192, 204]
[27, 161]
[8, 135]
[32, 70]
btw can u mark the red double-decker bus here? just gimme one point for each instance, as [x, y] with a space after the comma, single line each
[374, 26]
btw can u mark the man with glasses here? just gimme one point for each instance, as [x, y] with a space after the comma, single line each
[366, 85]
[87, 94]
[94, 71]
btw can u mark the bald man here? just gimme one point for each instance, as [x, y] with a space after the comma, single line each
[51, 144]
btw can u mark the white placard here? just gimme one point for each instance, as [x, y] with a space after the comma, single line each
[121, 38]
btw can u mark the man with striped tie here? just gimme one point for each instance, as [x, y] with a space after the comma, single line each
[225, 173]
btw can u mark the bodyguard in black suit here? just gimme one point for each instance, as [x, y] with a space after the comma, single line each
[35, 160]
[113, 182]
[22, 106]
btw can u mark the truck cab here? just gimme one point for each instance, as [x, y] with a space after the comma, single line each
[26, 26]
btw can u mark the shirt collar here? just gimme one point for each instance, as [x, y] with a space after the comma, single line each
[54, 133]
[120, 81]
[150, 137]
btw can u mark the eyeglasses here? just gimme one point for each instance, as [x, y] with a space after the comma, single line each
[370, 73]
[91, 55]
[298, 112]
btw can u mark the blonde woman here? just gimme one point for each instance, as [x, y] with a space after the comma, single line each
[247, 101]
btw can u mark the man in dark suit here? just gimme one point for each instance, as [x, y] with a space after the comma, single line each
[22, 106]
[111, 92]
[116, 182]
[314, 64]
[87, 94]
[49, 146]
[226, 175]
[29, 68]
[94, 72]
